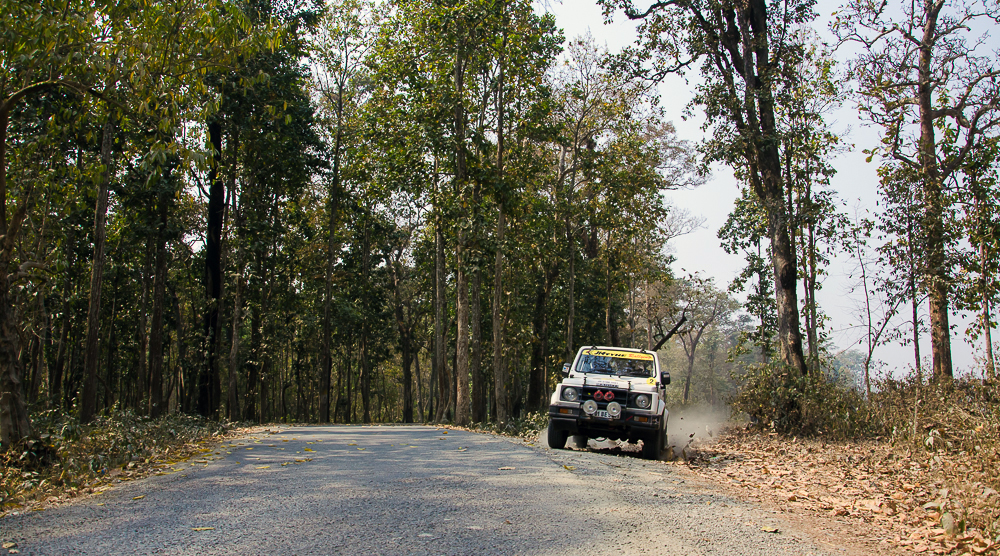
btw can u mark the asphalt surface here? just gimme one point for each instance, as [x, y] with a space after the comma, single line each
[408, 490]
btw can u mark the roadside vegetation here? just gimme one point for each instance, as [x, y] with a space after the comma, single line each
[69, 459]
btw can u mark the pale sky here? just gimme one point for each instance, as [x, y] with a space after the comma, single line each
[856, 184]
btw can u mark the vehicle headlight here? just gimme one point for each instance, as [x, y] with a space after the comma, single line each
[642, 401]
[570, 394]
[590, 407]
[615, 409]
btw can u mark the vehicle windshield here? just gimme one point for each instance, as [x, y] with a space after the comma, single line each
[615, 362]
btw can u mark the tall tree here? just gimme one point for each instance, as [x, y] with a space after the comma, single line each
[346, 37]
[928, 78]
[744, 49]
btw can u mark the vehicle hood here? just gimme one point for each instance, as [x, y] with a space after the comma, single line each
[633, 383]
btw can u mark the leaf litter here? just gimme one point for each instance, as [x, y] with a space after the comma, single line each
[913, 502]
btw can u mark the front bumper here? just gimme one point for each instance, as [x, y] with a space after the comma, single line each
[632, 425]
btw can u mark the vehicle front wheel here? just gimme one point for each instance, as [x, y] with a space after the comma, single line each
[556, 438]
[652, 446]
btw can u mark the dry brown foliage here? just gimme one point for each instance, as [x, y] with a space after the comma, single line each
[81, 460]
[914, 499]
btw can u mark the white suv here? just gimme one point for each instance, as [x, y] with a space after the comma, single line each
[614, 393]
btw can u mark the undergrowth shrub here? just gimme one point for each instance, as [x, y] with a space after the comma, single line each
[783, 400]
[956, 415]
[67, 454]
[523, 427]
[949, 428]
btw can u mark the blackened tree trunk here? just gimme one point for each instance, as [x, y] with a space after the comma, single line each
[208, 401]
[440, 366]
[232, 391]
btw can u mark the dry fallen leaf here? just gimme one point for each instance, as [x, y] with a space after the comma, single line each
[9, 545]
[264, 467]
[769, 529]
[569, 467]
[138, 497]
[505, 469]
[203, 528]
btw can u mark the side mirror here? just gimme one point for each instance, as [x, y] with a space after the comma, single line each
[565, 370]
[665, 377]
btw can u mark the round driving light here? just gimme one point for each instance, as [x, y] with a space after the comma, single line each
[609, 395]
[642, 400]
[614, 409]
[570, 394]
[599, 396]
[590, 407]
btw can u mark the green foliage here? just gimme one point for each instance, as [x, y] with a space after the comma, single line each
[779, 399]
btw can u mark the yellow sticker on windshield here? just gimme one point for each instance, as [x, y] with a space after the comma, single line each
[619, 354]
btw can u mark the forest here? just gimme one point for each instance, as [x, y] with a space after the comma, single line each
[362, 211]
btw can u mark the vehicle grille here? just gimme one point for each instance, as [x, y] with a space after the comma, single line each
[621, 396]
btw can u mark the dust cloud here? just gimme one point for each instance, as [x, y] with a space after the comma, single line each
[693, 425]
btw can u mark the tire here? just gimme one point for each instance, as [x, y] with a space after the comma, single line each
[556, 438]
[579, 441]
[652, 447]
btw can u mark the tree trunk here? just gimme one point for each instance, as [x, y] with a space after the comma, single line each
[934, 198]
[571, 278]
[987, 323]
[687, 380]
[366, 382]
[88, 398]
[444, 384]
[785, 275]
[420, 384]
[405, 339]
[333, 247]
[501, 380]
[539, 340]
[208, 402]
[610, 320]
[250, 409]
[147, 275]
[478, 400]
[159, 289]
[14, 423]
[407, 354]
[462, 406]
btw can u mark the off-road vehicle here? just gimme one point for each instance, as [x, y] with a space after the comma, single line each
[614, 393]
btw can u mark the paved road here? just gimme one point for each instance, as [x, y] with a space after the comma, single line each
[407, 490]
